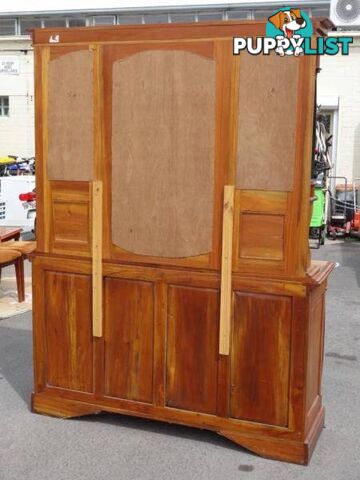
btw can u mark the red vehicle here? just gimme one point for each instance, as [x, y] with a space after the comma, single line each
[355, 224]
[29, 203]
[344, 217]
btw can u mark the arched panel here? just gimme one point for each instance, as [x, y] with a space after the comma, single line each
[70, 117]
[163, 142]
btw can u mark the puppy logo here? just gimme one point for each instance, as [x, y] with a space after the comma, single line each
[289, 31]
[289, 26]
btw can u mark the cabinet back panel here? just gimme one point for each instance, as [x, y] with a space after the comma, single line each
[69, 345]
[192, 348]
[268, 103]
[260, 359]
[70, 116]
[163, 126]
[129, 339]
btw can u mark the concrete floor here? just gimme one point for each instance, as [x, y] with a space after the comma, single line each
[117, 447]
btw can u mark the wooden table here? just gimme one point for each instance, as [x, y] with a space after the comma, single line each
[7, 233]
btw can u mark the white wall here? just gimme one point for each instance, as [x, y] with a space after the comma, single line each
[340, 77]
[17, 130]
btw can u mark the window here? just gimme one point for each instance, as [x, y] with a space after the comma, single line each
[129, 19]
[183, 17]
[29, 24]
[210, 16]
[262, 14]
[4, 106]
[104, 20]
[156, 18]
[238, 14]
[320, 11]
[7, 27]
[77, 22]
[54, 22]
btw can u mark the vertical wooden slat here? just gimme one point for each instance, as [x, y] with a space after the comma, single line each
[44, 151]
[226, 270]
[97, 290]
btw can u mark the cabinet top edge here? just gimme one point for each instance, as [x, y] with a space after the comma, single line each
[178, 31]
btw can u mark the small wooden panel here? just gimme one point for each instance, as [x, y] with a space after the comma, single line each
[192, 348]
[70, 218]
[69, 347]
[263, 201]
[260, 358]
[260, 230]
[70, 116]
[261, 236]
[129, 339]
[163, 149]
[315, 349]
[268, 103]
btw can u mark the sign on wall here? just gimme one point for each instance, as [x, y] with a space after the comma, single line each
[9, 65]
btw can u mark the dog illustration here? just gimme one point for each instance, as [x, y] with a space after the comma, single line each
[289, 21]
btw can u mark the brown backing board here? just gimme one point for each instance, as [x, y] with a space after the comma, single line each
[70, 116]
[163, 153]
[267, 122]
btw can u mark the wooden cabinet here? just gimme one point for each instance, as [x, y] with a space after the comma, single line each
[172, 277]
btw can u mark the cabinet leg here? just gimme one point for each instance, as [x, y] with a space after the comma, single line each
[20, 278]
[60, 407]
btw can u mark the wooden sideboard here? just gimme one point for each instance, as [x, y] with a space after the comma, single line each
[172, 278]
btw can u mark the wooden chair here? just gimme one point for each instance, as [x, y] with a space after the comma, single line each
[24, 247]
[20, 250]
[13, 257]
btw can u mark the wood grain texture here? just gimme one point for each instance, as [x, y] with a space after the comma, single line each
[69, 218]
[129, 339]
[261, 232]
[226, 270]
[261, 236]
[192, 348]
[267, 122]
[69, 344]
[260, 359]
[70, 117]
[97, 275]
[163, 125]
[315, 349]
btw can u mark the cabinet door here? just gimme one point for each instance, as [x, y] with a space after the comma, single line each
[68, 331]
[129, 339]
[192, 348]
[260, 358]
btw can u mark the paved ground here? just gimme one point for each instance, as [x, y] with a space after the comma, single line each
[110, 447]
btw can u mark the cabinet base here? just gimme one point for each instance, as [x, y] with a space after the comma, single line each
[277, 449]
[264, 445]
[61, 407]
